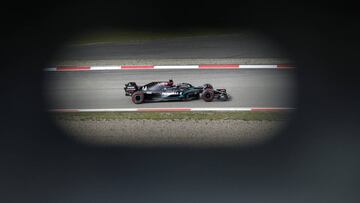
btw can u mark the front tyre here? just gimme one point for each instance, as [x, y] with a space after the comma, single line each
[208, 95]
[137, 97]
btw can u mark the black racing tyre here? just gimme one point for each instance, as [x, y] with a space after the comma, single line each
[208, 86]
[137, 97]
[208, 95]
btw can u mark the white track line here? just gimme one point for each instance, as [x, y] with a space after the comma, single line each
[258, 66]
[174, 109]
[222, 109]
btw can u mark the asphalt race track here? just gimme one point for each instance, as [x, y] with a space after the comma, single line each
[104, 89]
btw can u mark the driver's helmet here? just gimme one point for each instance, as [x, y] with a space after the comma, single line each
[170, 83]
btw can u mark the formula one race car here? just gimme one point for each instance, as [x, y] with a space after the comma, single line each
[167, 91]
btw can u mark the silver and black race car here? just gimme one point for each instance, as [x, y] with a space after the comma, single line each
[167, 91]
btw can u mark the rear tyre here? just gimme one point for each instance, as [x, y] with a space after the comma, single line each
[137, 97]
[208, 95]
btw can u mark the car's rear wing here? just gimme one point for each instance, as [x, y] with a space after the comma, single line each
[130, 88]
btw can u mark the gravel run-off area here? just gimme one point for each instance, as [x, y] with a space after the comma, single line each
[199, 133]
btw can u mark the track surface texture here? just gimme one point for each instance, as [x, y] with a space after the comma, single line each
[104, 89]
[230, 46]
[204, 133]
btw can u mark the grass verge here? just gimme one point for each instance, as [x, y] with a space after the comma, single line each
[101, 116]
